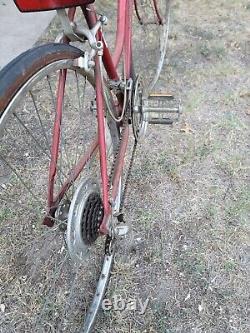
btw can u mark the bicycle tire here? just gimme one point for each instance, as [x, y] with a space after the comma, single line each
[23, 78]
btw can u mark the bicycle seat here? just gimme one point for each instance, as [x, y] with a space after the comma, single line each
[42, 5]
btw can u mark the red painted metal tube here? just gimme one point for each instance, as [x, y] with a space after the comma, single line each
[108, 62]
[127, 40]
[117, 175]
[120, 31]
[90, 16]
[56, 135]
[71, 13]
[120, 162]
[75, 172]
[101, 136]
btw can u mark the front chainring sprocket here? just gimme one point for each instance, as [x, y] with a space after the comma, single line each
[139, 121]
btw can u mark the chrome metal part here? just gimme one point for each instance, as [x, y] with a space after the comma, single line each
[163, 48]
[84, 62]
[116, 85]
[99, 294]
[81, 34]
[68, 27]
[151, 35]
[161, 109]
[127, 90]
[77, 246]
[121, 230]
[62, 213]
[117, 202]
[139, 120]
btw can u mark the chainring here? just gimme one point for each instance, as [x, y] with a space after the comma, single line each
[139, 121]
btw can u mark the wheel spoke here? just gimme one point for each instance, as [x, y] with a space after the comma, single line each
[40, 120]
[51, 92]
[31, 134]
[38, 274]
[20, 178]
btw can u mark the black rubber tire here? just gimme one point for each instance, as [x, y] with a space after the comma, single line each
[14, 75]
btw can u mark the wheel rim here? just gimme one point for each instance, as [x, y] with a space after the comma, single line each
[41, 265]
[151, 29]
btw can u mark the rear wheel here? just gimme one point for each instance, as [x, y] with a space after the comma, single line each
[42, 288]
[150, 37]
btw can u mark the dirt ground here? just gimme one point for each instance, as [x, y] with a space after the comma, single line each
[188, 202]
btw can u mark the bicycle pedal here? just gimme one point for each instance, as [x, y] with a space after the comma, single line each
[121, 231]
[161, 108]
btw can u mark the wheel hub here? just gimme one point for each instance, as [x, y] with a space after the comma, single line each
[84, 219]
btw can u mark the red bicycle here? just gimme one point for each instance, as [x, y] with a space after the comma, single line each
[66, 110]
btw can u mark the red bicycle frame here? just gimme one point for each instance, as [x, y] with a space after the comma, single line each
[122, 46]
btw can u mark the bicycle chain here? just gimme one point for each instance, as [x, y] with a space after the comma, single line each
[128, 176]
[109, 239]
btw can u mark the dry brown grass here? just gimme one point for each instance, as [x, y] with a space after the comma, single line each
[188, 202]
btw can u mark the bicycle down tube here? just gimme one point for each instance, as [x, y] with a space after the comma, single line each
[122, 46]
[123, 43]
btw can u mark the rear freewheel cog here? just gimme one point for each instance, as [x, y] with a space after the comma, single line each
[84, 219]
[86, 211]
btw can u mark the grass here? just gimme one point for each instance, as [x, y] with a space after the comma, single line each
[208, 50]
[188, 200]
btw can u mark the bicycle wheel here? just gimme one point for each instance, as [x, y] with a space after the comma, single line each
[150, 37]
[42, 288]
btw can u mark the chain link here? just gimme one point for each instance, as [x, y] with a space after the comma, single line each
[128, 177]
